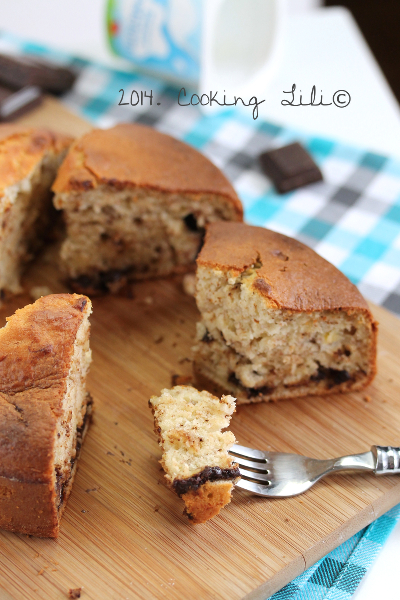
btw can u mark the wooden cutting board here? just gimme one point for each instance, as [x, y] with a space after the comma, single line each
[123, 534]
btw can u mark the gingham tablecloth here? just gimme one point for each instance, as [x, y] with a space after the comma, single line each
[352, 219]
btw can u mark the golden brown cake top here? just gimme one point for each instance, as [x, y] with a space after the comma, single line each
[36, 349]
[289, 274]
[135, 155]
[21, 148]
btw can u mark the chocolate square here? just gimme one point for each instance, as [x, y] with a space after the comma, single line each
[290, 167]
[22, 71]
[15, 104]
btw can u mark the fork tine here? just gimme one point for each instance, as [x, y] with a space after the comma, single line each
[238, 450]
[255, 488]
[259, 466]
[261, 477]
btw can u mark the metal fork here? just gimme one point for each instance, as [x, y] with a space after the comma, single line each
[277, 474]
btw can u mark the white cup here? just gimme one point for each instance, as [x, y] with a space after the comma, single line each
[242, 44]
[231, 45]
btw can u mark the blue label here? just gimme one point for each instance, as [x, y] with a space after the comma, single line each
[163, 36]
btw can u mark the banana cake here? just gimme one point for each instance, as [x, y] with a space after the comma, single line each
[29, 159]
[44, 410]
[135, 202]
[195, 452]
[277, 320]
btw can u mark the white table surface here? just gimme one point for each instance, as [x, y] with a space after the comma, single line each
[323, 47]
[326, 48]
[382, 580]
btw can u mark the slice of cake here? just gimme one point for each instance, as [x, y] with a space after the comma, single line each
[136, 202]
[278, 320]
[44, 410]
[29, 159]
[195, 452]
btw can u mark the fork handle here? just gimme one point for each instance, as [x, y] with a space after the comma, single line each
[387, 460]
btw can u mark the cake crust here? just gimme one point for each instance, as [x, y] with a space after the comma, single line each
[29, 159]
[133, 155]
[206, 502]
[21, 148]
[36, 350]
[290, 275]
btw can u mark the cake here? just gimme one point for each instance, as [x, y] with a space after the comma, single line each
[44, 410]
[195, 456]
[29, 159]
[277, 320]
[135, 202]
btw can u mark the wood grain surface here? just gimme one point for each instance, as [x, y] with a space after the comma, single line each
[123, 534]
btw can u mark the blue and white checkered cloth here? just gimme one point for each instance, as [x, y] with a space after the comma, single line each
[352, 218]
[336, 577]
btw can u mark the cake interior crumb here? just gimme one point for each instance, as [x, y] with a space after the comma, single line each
[242, 341]
[74, 407]
[189, 425]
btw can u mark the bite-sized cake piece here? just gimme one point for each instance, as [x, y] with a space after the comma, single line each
[44, 410]
[136, 202]
[278, 320]
[195, 452]
[29, 159]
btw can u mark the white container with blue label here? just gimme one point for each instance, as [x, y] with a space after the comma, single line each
[231, 45]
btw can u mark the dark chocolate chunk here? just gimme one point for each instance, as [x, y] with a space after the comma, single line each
[290, 167]
[265, 390]
[182, 486]
[332, 376]
[15, 104]
[233, 379]
[101, 283]
[207, 337]
[191, 222]
[251, 392]
[20, 71]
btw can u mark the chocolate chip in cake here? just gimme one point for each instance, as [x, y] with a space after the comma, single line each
[191, 222]
[207, 337]
[182, 486]
[333, 376]
[290, 167]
